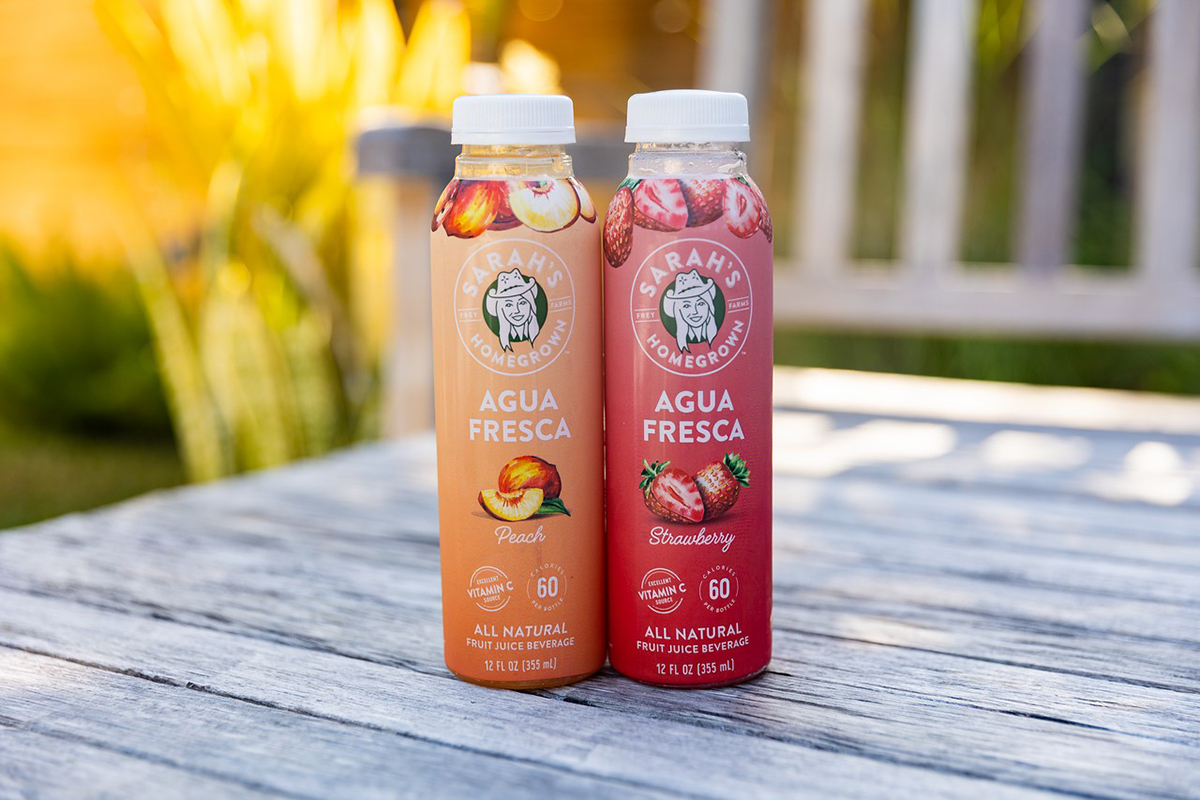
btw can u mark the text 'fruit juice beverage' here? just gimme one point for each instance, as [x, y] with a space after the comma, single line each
[518, 393]
[687, 295]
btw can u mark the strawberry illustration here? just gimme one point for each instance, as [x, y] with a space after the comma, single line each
[671, 493]
[720, 482]
[705, 198]
[658, 205]
[618, 227]
[764, 216]
[741, 209]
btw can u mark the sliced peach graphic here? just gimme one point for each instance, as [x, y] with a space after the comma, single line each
[511, 506]
[544, 206]
[505, 218]
[587, 209]
[444, 203]
[475, 207]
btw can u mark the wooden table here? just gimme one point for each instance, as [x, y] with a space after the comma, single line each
[971, 600]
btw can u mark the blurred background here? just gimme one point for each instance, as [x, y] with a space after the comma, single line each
[205, 205]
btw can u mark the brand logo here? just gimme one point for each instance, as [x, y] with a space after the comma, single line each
[691, 306]
[514, 306]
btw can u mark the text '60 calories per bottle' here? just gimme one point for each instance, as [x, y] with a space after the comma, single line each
[687, 296]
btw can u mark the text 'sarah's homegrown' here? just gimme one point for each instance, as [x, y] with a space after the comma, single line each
[687, 292]
[516, 323]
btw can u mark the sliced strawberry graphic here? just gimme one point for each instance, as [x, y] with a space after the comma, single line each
[618, 227]
[658, 205]
[705, 198]
[741, 209]
[671, 493]
[764, 216]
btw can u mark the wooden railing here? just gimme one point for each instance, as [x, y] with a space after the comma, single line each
[927, 288]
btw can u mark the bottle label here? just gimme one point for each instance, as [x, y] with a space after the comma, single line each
[516, 299]
[688, 341]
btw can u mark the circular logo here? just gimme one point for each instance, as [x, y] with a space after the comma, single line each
[514, 305]
[661, 590]
[490, 588]
[547, 587]
[691, 306]
[719, 588]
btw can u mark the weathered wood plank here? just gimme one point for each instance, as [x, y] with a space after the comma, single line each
[612, 743]
[51, 766]
[283, 581]
[854, 522]
[946, 630]
[1145, 468]
[230, 740]
[1140, 640]
[298, 599]
[989, 402]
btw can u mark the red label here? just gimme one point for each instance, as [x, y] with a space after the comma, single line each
[688, 430]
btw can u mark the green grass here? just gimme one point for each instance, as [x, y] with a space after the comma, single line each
[45, 474]
[1152, 367]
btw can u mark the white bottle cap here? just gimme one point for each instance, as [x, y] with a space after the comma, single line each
[513, 119]
[687, 115]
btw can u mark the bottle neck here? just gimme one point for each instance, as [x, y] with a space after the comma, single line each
[686, 158]
[528, 161]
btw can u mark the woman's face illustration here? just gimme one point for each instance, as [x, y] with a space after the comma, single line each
[517, 310]
[694, 311]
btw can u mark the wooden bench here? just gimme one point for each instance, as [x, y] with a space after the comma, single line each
[981, 591]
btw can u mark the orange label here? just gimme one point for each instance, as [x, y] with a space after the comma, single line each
[516, 324]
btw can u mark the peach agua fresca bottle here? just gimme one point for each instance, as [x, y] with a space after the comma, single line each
[518, 399]
[687, 345]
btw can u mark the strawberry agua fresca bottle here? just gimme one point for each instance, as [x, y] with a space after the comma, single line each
[687, 307]
[517, 385]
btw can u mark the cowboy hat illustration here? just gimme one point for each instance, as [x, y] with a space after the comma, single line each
[691, 303]
[513, 302]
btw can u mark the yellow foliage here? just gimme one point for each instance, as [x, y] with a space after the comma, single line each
[254, 104]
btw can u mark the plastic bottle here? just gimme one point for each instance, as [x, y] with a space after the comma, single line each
[688, 308]
[518, 387]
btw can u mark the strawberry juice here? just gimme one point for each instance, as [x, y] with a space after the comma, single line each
[516, 336]
[687, 308]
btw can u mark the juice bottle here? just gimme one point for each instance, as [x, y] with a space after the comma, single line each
[687, 296]
[518, 394]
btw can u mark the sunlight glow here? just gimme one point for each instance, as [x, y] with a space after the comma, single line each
[1027, 450]
[873, 442]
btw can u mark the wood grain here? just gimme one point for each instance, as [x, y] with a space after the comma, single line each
[944, 627]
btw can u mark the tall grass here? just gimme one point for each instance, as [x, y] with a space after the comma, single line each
[253, 105]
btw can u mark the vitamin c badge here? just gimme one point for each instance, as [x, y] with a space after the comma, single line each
[514, 306]
[691, 306]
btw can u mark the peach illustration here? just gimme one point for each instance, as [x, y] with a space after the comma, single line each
[475, 207]
[544, 206]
